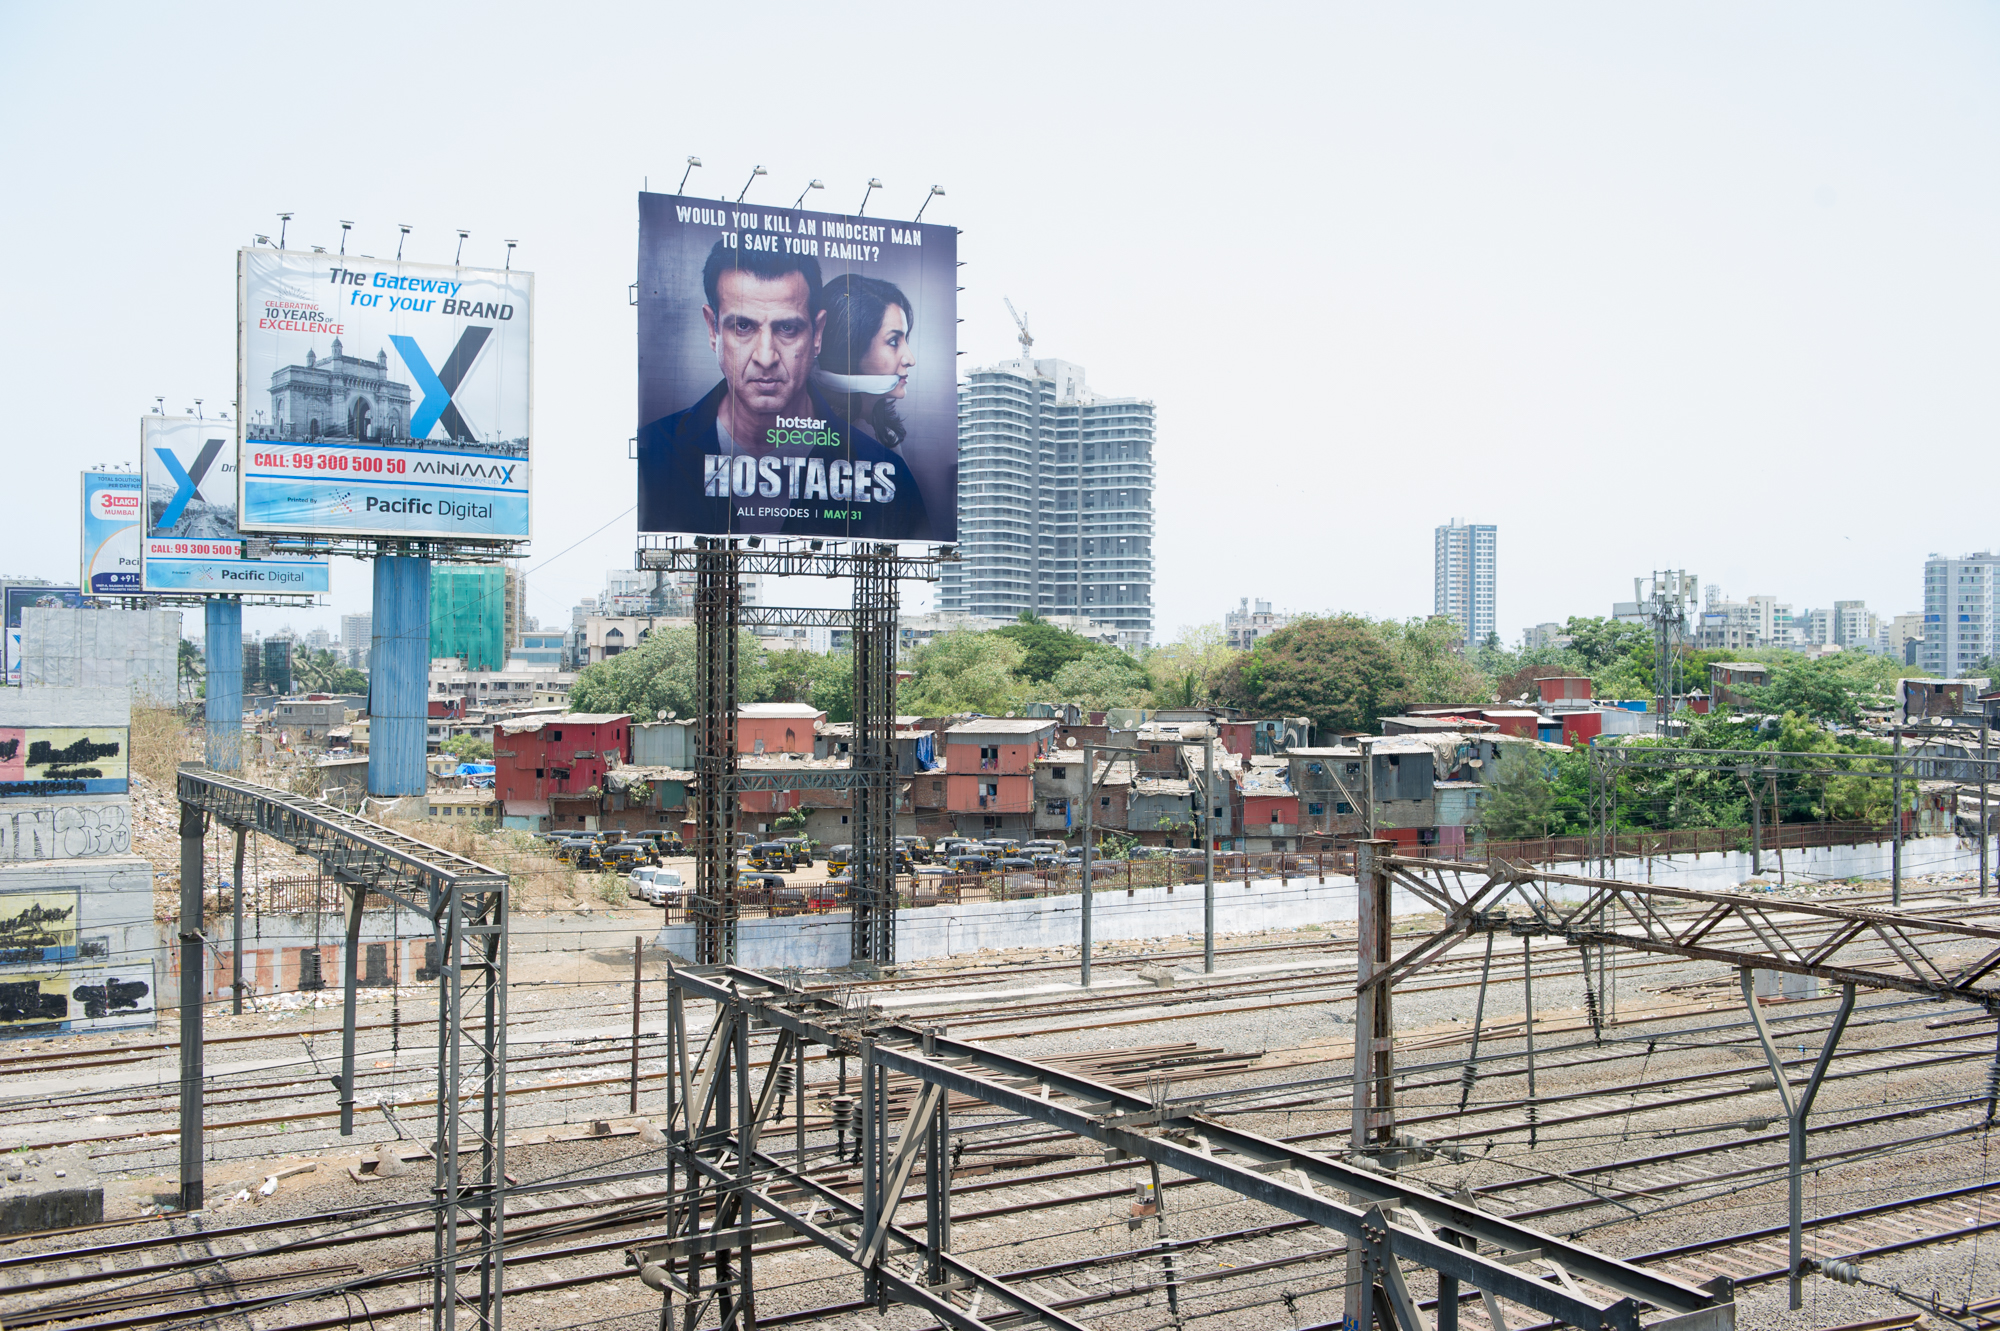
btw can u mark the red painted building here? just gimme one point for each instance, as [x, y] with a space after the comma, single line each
[990, 771]
[1513, 720]
[536, 757]
[1564, 688]
[777, 727]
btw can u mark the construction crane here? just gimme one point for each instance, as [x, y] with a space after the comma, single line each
[1027, 338]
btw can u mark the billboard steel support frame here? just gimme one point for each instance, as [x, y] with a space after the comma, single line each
[872, 929]
[719, 565]
[718, 621]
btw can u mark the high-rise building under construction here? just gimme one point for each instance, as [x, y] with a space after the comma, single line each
[1055, 499]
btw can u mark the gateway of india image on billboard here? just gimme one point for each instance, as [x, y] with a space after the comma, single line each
[339, 397]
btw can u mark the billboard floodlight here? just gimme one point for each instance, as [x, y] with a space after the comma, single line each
[755, 171]
[461, 248]
[263, 240]
[693, 162]
[405, 229]
[284, 221]
[345, 227]
[159, 405]
[873, 185]
[510, 255]
[937, 191]
[811, 185]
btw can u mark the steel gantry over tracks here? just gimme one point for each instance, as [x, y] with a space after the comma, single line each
[466, 905]
[728, 1109]
[1937, 957]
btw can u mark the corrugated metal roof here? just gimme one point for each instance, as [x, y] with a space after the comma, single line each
[1005, 725]
[521, 725]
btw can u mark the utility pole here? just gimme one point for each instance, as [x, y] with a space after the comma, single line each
[1208, 850]
[1985, 734]
[191, 987]
[236, 950]
[1896, 795]
[1090, 752]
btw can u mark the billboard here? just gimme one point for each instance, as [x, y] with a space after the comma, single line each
[13, 600]
[191, 543]
[382, 399]
[797, 373]
[111, 504]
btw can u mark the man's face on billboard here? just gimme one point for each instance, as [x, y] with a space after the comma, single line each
[765, 337]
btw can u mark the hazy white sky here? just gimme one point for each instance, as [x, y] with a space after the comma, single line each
[1701, 285]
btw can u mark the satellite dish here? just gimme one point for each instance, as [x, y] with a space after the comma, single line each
[1070, 741]
[662, 714]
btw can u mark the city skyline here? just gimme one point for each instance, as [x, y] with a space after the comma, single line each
[1754, 247]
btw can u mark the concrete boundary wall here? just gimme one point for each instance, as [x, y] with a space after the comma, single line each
[820, 942]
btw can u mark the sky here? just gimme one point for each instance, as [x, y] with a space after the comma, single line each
[1647, 285]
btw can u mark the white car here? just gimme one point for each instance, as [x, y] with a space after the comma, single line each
[656, 887]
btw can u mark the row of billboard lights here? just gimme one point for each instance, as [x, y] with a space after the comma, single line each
[937, 191]
[403, 233]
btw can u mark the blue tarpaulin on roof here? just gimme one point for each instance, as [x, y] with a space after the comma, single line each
[927, 751]
[475, 769]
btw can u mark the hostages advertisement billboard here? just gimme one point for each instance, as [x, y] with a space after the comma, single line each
[191, 543]
[797, 373]
[112, 502]
[383, 398]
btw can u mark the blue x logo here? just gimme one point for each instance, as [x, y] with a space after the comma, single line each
[187, 483]
[439, 385]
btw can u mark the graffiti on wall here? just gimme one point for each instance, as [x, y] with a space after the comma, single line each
[73, 1001]
[40, 761]
[37, 928]
[65, 831]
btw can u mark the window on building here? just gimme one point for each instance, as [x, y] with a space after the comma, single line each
[1059, 773]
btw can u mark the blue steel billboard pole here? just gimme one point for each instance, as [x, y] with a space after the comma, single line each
[399, 675]
[222, 629]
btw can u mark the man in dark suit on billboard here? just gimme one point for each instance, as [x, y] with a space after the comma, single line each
[762, 452]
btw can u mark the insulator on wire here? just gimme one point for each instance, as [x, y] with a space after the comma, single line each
[1847, 1273]
[1534, 1120]
[1467, 1077]
[781, 1086]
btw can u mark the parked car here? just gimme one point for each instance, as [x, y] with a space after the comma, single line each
[655, 886]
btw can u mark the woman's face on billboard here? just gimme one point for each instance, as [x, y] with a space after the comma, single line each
[890, 352]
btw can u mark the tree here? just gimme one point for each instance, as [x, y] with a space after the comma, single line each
[659, 675]
[1186, 671]
[1520, 800]
[191, 668]
[1817, 690]
[469, 748]
[1101, 680]
[1599, 642]
[962, 671]
[1046, 649]
[1431, 657]
[1341, 673]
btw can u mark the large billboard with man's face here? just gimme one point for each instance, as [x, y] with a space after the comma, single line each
[797, 373]
[191, 543]
[383, 398]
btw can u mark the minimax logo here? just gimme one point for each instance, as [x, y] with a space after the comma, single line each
[439, 385]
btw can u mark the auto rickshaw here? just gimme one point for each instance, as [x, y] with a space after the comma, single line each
[772, 855]
[838, 859]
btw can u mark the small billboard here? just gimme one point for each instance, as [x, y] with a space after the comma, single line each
[797, 373]
[112, 502]
[383, 399]
[18, 597]
[191, 544]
